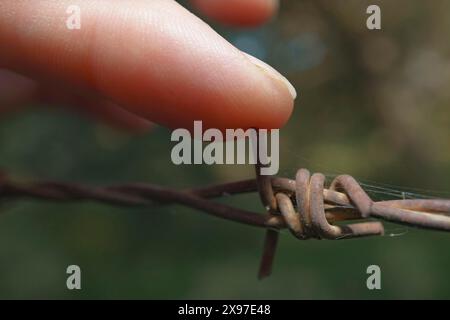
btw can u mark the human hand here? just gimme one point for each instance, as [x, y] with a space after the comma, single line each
[137, 61]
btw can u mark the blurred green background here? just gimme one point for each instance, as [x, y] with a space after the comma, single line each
[374, 104]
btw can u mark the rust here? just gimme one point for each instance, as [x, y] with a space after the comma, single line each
[305, 206]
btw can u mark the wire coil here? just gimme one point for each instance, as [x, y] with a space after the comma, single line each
[305, 205]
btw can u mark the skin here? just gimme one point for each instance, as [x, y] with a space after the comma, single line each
[137, 61]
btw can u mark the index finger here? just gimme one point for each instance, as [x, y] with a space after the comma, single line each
[238, 12]
[153, 58]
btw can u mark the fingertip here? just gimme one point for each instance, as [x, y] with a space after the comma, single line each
[247, 13]
[273, 100]
[174, 69]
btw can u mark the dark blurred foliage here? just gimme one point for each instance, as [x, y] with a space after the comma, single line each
[374, 104]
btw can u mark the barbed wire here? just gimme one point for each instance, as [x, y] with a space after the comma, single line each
[305, 206]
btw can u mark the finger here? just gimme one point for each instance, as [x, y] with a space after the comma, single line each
[112, 115]
[152, 57]
[93, 107]
[18, 92]
[238, 12]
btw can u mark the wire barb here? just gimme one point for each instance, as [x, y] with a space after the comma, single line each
[304, 205]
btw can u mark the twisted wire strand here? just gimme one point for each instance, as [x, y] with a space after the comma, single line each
[304, 205]
[339, 204]
[268, 199]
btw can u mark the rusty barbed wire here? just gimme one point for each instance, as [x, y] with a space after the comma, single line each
[305, 206]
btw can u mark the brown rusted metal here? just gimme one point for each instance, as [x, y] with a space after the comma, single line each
[308, 219]
[269, 201]
[304, 205]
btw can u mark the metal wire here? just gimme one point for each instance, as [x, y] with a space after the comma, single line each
[304, 205]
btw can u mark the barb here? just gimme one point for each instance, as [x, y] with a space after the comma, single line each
[304, 205]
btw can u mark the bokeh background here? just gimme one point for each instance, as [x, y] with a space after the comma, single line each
[374, 104]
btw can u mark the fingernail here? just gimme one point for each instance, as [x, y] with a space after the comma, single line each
[270, 71]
